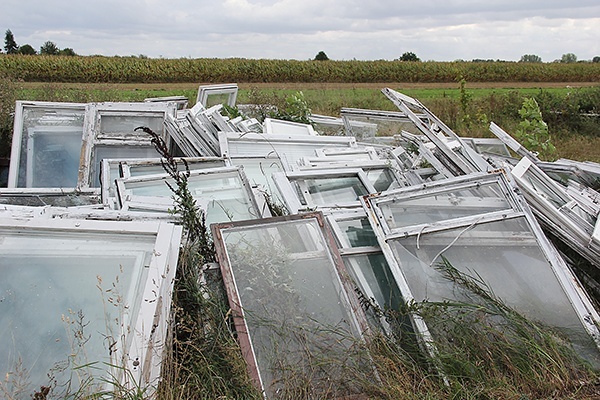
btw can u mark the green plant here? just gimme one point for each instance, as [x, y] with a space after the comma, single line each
[295, 109]
[533, 131]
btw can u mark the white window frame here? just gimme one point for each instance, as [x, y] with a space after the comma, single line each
[145, 337]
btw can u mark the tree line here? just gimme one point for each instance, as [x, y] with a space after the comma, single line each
[48, 48]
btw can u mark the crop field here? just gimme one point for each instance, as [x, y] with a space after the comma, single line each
[144, 70]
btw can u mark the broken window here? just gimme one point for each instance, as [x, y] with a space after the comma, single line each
[79, 297]
[290, 303]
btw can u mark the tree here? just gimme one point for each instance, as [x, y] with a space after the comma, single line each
[531, 58]
[49, 48]
[321, 56]
[596, 59]
[10, 46]
[568, 58]
[409, 56]
[27, 49]
[67, 51]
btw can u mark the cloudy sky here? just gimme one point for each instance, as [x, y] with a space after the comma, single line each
[441, 30]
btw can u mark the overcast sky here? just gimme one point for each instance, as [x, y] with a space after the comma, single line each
[441, 30]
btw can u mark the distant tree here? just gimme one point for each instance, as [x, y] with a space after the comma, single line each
[49, 48]
[596, 59]
[568, 58]
[67, 51]
[321, 56]
[409, 56]
[531, 58]
[27, 49]
[10, 46]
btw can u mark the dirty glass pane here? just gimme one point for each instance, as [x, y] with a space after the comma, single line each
[125, 124]
[543, 190]
[287, 151]
[373, 270]
[430, 208]
[106, 151]
[506, 258]
[328, 191]
[65, 299]
[295, 308]
[156, 168]
[382, 179]
[50, 147]
[358, 232]
[221, 194]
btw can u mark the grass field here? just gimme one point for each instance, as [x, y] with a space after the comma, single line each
[467, 111]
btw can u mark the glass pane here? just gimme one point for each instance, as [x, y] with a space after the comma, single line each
[441, 206]
[543, 190]
[288, 152]
[156, 168]
[121, 124]
[358, 232]
[382, 179]
[293, 301]
[222, 195]
[103, 151]
[66, 300]
[328, 191]
[50, 147]
[507, 258]
[373, 271]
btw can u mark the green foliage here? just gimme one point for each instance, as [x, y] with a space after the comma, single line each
[296, 109]
[533, 131]
[134, 69]
[568, 58]
[49, 48]
[10, 46]
[596, 59]
[67, 51]
[8, 97]
[409, 56]
[27, 49]
[531, 58]
[465, 102]
[321, 56]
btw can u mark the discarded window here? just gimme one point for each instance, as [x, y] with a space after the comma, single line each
[285, 285]
[289, 149]
[112, 134]
[113, 169]
[503, 248]
[209, 95]
[281, 127]
[46, 145]
[323, 188]
[223, 193]
[572, 220]
[81, 296]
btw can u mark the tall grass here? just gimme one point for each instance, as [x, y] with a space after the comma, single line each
[131, 69]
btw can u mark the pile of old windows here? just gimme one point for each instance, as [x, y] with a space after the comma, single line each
[374, 201]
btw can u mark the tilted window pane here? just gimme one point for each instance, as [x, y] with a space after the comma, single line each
[358, 232]
[67, 299]
[295, 308]
[325, 191]
[106, 151]
[430, 208]
[507, 258]
[125, 124]
[373, 270]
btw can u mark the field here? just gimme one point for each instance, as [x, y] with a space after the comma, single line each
[467, 111]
